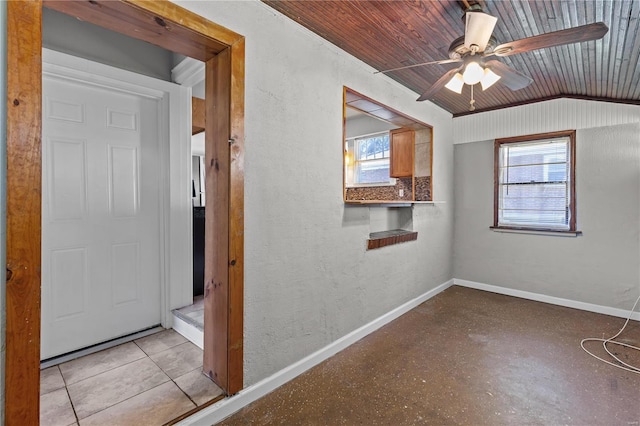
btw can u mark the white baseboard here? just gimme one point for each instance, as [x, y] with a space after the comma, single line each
[192, 334]
[223, 409]
[607, 310]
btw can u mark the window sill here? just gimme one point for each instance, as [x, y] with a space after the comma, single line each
[390, 203]
[370, 185]
[387, 238]
[549, 232]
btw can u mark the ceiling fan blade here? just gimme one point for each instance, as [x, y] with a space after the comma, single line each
[444, 61]
[556, 38]
[438, 85]
[478, 29]
[509, 77]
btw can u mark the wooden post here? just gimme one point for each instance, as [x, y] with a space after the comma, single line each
[216, 268]
[24, 177]
[236, 222]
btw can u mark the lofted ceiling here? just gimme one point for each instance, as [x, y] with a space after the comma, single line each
[391, 34]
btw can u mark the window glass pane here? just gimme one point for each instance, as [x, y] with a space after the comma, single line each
[373, 147]
[375, 171]
[533, 184]
[542, 194]
[534, 197]
[534, 153]
[546, 219]
[372, 159]
[521, 174]
[556, 172]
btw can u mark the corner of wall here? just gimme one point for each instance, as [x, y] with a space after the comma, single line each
[600, 267]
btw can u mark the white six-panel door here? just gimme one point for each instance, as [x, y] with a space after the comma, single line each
[101, 215]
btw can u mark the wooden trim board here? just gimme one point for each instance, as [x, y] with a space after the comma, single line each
[216, 279]
[24, 181]
[235, 348]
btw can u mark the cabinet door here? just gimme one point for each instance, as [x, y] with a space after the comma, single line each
[401, 154]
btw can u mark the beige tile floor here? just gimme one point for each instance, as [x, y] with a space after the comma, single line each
[148, 381]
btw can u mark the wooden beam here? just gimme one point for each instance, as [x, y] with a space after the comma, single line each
[216, 268]
[197, 115]
[142, 20]
[24, 177]
[236, 222]
[197, 24]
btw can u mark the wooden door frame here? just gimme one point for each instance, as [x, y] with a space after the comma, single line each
[169, 26]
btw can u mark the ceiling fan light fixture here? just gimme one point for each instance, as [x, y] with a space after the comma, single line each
[473, 73]
[489, 79]
[456, 83]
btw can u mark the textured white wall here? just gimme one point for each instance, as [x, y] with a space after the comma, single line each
[308, 278]
[599, 267]
[542, 117]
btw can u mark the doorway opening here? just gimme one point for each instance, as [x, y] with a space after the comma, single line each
[169, 26]
[189, 319]
[107, 260]
[107, 135]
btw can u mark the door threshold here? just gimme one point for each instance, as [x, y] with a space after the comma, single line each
[49, 362]
[185, 326]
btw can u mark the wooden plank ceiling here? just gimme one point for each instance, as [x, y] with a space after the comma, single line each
[390, 34]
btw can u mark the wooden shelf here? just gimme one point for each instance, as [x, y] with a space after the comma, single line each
[385, 203]
[388, 238]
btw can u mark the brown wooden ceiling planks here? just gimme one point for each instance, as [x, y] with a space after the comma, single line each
[392, 34]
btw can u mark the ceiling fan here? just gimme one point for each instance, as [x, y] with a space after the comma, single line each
[477, 49]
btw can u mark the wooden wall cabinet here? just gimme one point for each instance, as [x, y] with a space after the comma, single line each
[401, 153]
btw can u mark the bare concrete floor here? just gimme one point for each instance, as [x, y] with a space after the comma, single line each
[466, 357]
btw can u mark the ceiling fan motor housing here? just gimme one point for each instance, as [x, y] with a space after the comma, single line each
[458, 50]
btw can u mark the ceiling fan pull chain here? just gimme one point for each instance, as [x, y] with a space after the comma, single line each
[472, 107]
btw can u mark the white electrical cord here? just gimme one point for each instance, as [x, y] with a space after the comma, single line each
[624, 365]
